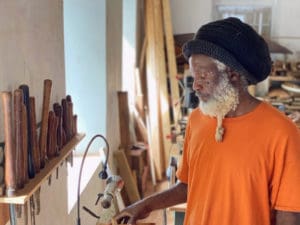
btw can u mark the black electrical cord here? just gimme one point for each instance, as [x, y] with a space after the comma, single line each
[80, 171]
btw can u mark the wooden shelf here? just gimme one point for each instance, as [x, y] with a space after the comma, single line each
[283, 78]
[22, 195]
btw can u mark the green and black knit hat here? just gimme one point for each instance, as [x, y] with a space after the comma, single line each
[234, 43]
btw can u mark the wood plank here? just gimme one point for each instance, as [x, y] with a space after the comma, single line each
[22, 196]
[172, 67]
[161, 73]
[153, 95]
[124, 119]
[125, 172]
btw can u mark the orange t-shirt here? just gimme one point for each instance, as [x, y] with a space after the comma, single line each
[240, 180]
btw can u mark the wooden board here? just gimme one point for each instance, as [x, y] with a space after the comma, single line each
[164, 97]
[172, 67]
[124, 119]
[153, 94]
[125, 172]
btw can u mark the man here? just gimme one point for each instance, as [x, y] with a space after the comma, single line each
[241, 157]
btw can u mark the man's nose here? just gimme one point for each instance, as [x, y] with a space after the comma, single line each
[197, 85]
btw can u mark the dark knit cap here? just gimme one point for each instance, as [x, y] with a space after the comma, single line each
[234, 43]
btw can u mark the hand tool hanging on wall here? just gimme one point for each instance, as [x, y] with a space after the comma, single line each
[52, 135]
[65, 121]
[25, 141]
[61, 135]
[34, 137]
[31, 171]
[20, 163]
[44, 126]
[36, 152]
[20, 166]
[26, 213]
[66, 104]
[10, 154]
[2, 186]
[32, 210]
[70, 115]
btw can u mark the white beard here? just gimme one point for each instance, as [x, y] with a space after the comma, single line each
[224, 99]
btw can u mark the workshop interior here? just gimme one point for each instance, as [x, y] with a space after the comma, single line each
[95, 99]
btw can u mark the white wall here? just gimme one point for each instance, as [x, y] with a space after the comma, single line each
[85, 57]
[189, 15]
[31, 50]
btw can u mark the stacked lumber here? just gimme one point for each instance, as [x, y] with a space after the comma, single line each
[158, 73]
[156, 90]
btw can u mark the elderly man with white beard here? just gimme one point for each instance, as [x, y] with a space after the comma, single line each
[241, 156]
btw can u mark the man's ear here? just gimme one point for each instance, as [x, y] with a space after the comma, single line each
[233, 75]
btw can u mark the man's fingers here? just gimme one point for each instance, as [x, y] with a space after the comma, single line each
[123, 217]
[132, 221]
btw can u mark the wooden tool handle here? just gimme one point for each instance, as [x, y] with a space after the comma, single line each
[58, 112]
[31, 171]
[66, 123]
[20, 163]
[34, 137]
[10, 154]
[25, 141]
[44, 126]
[51, 132]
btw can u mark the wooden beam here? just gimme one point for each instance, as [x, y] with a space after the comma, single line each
[153, 93]
[172, 66]
[162, 78]
[125, 172]
[124, 119]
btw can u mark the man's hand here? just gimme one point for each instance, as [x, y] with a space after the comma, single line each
[132, 213]
[141, 209]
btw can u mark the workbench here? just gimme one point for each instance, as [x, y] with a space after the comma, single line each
[179, 212]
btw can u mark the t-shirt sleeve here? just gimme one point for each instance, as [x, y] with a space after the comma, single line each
[182, 171]
[285, 184]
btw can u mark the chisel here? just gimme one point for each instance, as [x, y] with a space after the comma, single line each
[44, 125]
[20, 163]
[25, 142]
[10, 154]
[36, 152]
[26, 101]
[34, 137]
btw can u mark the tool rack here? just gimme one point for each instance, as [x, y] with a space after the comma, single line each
[23, 195]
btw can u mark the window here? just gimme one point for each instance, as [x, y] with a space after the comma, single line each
[258, 16]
